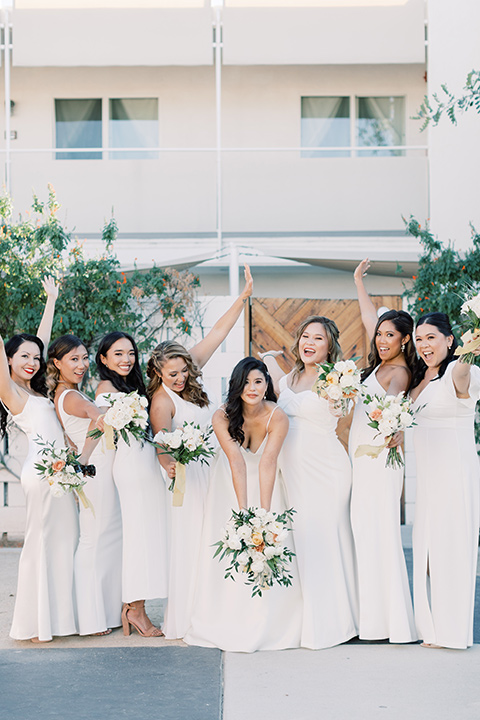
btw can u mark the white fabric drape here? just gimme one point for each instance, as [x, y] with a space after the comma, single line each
[325, 123]
[133, 123]
[380, 122]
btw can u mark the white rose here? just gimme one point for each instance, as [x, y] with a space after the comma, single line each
[405, 419]
[346, 381]
[256, 522]
[269, 537]
[340, 366]
[473, 304]
[57, 490]
[234, 542]
[282, 535]
[244, 532]
[257, 567]
[385, 428]
[243, 558]
[175, 439]
[334, 392]
[269, 552]
[190, 444]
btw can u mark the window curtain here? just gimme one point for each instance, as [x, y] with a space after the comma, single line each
[325, 123]
[380, 122]
[78, 124]
[133, 124]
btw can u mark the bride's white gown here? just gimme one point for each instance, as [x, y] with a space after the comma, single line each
[224, 614]
[318, 480]
[384, 595]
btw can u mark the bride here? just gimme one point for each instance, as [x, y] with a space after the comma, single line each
[251, 429]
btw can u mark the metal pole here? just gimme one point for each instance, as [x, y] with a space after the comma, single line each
[218, 107]
[233, 271]
[6, 57]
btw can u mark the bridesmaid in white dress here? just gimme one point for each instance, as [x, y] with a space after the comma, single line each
[44, 601]
[141, 490]
[178, 396]
[318, 479]
[251, 429]
[385, 605]
[98, 560]
[445, 532]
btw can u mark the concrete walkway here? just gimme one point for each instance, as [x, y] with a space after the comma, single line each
[112, 677]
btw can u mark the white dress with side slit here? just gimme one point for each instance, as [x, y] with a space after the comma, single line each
[385, 604]
[318, 479]
[44, 603]
[225, 615]
[445, 531]
[98, 560]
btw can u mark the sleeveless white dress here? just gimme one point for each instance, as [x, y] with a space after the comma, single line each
[44, 605]
[445, 532]
[225, 615]
[185, 526]
[318, 478]
[141, 490]
[385, 604]
[98, 560]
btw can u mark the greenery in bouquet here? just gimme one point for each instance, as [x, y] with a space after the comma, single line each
[63, 471]
[187, 444]
[253, 543]
[338, 383]
[126, 417]
[388, 414]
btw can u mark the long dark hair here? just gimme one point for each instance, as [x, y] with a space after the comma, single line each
[56, 351]
[403, 323]
[134, 379]
[442, 323]
[37, 383]
[236, 386]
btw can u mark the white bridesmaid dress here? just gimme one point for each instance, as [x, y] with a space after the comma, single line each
[445, 531]
[98, 560]
[385, 604]
[318, 478]
[44, 604]
[225, 615]
[141, 491]
[185, 525]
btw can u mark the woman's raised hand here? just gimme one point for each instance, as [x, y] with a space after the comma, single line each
[50, 286]
[248, 289]
[272, 353]
[361, 270]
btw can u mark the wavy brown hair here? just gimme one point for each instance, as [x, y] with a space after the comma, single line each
[58, 348]
[168, 350]
[332, 331]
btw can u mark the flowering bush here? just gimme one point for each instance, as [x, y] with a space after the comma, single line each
[253, 541]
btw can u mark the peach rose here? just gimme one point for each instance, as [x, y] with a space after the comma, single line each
[375, 414]
[58, 465]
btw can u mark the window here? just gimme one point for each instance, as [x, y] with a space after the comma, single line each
[380, 121]
[133, 124]
[78, 124]
[373, 122]
[325, 123]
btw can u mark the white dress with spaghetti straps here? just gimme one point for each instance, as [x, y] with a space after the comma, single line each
[142, 493]
[385, 603]
[185, 526]
[318, 479]
[44, 603]
[98, 560]
[225, 615]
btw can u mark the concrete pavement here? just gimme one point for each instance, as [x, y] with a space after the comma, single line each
[144, 679]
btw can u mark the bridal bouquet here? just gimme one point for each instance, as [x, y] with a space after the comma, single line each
[338, 382]
[388, 414]
[127, 416]
[64, 472]
[471, 337]
[186, 444]
[253, 543]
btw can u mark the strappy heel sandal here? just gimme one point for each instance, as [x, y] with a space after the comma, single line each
[127, 624]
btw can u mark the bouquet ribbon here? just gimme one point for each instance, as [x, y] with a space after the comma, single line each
[179, 487]
[109, 437]
[470, 340]
[85, 501]
[372, 451]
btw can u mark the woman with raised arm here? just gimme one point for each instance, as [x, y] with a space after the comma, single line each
[141, 491]
[385, 604]
[445, 531]
[44, 604]
[318, 479]
[98, 560]
[251, 429]
[177, 396]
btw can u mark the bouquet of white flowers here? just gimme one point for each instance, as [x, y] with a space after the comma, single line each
[471, 337]
[186, 444]
[388, 414]
[64, 472]
[253, 542]
[127, 415]
[338, 382]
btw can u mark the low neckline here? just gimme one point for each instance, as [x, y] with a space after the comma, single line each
[256, 451]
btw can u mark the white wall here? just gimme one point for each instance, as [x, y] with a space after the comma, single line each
[454, 50]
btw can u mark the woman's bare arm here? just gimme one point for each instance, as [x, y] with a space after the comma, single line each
[268, 463]
[234, 457]
[162, 411]
[44, 331]
[367, 308]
